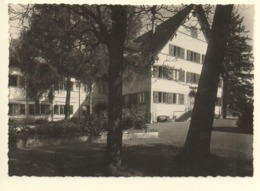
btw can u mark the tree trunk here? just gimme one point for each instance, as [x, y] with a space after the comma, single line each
[116, 50]
[224, 98]
[197, 145]
[67, 103]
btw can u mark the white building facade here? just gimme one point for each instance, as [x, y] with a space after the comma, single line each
[22, 109]
[170, 88]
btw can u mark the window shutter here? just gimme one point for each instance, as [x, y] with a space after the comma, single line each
[160, 71]
[181, 98]
[155, 97]
[182, 75]
[171, 50]
[169, 98]
[164, 97]
[190, 77]
[182, 53]
[156, 71]
[173, 98]
[197, 58]
[170, 72]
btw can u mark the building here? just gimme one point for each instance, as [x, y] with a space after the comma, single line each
[167, 85]
[22, 109]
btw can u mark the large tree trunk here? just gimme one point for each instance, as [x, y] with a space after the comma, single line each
[197, 145]
[67, 103]
[116, 50]
[224, 98]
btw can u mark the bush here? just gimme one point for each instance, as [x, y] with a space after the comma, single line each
[131, 120]
[95, 123]
[245, 120]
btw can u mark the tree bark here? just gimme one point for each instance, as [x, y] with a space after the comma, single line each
[116, 50]
[197, 145]
[67, 103]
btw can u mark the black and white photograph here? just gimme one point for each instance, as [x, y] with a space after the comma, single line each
[101, 90]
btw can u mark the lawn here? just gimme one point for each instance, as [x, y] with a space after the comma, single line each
[231, 156]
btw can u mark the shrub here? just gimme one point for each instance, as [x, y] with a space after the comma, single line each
[245, 120]
[131, 120]
[95, 123]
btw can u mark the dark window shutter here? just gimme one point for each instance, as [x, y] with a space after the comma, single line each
[173, 98]
[189, 55]
[160, 71]
[164, 97]
[182, 75]
[197, 58]
[182, 53]
[156, 71]
[171, 50]
[170, 71]
[181, 99]
[169, 98]
[155, 97]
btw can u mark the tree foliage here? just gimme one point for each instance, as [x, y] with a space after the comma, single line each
[237, 69]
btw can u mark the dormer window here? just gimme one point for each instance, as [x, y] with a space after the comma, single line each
[194, 32]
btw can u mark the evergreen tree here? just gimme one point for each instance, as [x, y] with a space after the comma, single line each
[237, 69]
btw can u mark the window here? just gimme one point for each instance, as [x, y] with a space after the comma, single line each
[176, 51]
[169, 73]
[45, 109]
[193, 56]
[62, 110]
[194, 32]
[13, 81]
[141, 97]
[192, 78]
[31, 109]
[171, 98]
[56, 110]
[164, 97]
[16, 81]
[16, 109]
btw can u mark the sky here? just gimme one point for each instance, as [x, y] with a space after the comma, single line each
[247, 11]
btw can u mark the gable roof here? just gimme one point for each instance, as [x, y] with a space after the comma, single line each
[155, 41]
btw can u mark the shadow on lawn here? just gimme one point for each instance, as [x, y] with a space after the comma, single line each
[140, 160]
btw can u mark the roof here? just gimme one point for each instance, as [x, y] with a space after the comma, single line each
[155, 41]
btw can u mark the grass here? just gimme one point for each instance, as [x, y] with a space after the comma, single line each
[87, 159]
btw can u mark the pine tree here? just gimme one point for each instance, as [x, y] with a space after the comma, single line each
[237, 70]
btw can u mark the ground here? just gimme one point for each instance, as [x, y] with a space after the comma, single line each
[231, 155]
